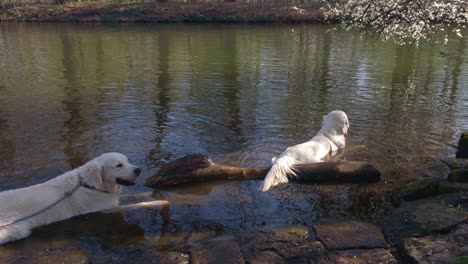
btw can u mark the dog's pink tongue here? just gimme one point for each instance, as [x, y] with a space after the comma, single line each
[134, 180]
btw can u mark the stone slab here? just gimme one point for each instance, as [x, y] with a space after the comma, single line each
[359, 256]
[264, 257]
[350, 235]
[438, 250]
[422, 217]
[217, 252]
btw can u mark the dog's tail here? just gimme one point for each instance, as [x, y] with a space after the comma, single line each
[277, 176]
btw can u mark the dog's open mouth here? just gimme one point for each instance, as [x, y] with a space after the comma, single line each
[126, 182]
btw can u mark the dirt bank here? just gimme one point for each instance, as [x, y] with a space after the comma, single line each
[164, 13]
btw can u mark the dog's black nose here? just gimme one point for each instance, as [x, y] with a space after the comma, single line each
[137, 171]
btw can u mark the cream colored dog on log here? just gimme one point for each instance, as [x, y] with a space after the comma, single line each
[326, 142]
[93, 187]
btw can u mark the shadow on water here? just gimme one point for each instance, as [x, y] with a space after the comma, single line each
[240, 94]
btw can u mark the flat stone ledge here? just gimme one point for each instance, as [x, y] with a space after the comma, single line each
[168, 257]
[454, 163]
[217, 251]
[458, 175]
[290, 243]
[359, 256]
[422, 217]
[302, 252]
[63, 256]
[436, 171]
[264, 257]
[350, 235]
[441, 250]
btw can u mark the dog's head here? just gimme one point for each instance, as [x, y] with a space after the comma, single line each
[337, 120]
[110, 170]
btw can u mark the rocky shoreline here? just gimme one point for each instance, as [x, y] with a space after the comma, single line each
[430, 226]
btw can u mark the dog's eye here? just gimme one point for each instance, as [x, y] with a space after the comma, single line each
[119, 165]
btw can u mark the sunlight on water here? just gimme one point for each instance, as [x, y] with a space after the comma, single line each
[240, 94]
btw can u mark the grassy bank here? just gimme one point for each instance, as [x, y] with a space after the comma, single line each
[163, 12]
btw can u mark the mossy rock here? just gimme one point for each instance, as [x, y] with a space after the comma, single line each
[216, 251]
[458, 175]
[425, 188]
[63, 256]
[423, 217]
[437, 171]
[453, 163]
[462, 150]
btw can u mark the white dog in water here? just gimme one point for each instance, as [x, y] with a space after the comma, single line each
[328, 141]
[93, 187]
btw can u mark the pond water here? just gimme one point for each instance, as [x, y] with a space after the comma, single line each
[238, 93]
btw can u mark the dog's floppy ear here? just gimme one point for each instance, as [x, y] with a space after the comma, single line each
[92, 173]
[345, 128]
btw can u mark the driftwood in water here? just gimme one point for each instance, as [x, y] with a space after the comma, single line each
[199, 168]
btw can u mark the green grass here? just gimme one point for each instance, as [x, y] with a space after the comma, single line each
[461, 260]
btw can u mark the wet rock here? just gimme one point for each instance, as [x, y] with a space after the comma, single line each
[429, 250]
[435, 178]
[8, 255]
[147, 252]
[216, 251]
[360, 256]
[456, 163]
[291, 243]
[460, 239]
[264, 257]
[423, 217]
[172, 258]
[287, 233]
[269, 238]
[291, 252]
[38, 248]
[199, 237]
[461, 229]
[458, 187]
[462, 150]
[58, 256]
[437, 171]
[350, 235]
[458, 169]
[300, 253]
[425, 188]
[458, 175]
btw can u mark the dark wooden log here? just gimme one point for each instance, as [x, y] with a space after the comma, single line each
[199, 168]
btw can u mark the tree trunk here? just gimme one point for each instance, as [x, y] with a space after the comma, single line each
[199, 168]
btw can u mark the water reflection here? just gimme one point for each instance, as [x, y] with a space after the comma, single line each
[109, 230]
[74, 125]
[240, 94]
[162, 98]
[7, 147]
